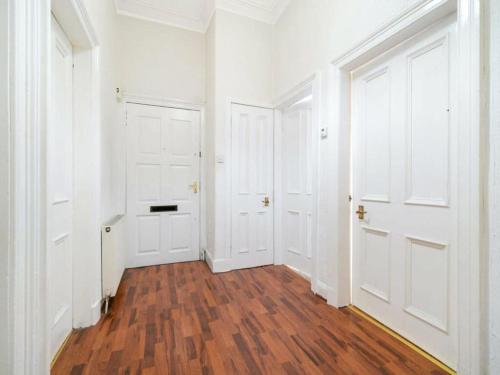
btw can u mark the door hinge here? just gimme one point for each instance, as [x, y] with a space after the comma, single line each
[350, 198]
[200, 154]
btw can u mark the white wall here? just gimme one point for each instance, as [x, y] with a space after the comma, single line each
[93, 197]
[243, 69]
[209, 157]
[493, 260]
[103, 16]
[160, 60]
[306, 38]
[4, 189]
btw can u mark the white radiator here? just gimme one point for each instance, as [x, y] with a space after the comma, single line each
[113, 255]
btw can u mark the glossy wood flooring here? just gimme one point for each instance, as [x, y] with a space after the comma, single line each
[181, 319]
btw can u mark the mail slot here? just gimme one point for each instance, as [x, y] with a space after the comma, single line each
[171, 208]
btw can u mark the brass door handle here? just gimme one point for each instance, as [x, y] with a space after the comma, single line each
[266, 202]
[361, 212]
[194, 186]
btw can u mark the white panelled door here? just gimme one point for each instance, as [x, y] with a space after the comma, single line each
[252, 227]
[297, 188]
[60, 190]
[405, 177]
[163, 200]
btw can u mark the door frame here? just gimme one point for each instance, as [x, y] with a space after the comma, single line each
[157, 101]
[73, 19]
[310, 86]
[29, 54]
[417, 19]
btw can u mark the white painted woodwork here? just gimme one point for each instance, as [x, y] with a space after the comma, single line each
[297, 168]
[404, 144]
[195, 15]
[252, 233]
[163, 163]
[60, 190]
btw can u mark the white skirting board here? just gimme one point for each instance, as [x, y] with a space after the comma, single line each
[218, 265]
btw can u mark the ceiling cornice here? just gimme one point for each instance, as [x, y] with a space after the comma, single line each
[141, 10]
[260, 10]
[267, 12]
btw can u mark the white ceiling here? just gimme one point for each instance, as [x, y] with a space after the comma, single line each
[195, 14]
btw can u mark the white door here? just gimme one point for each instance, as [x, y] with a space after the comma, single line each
[405, 175]
[252, 229]
[163, 200]
[297, 187]
[60, 190]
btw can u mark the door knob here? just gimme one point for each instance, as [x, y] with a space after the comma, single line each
[266, 202]
[194, 186]
[361, 212]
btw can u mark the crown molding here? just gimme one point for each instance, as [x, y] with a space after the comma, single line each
[140, 10]
[259, 10]
[279, 9]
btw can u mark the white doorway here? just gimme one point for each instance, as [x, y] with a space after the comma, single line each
[405, 190]
[297, 170]
[163, 174]
[60, 190]
[252, 186]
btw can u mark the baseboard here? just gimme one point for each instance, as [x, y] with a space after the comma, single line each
[218, 265]
[96, 311]
[327, 293]
[299, 272]
[322, 289]
[208, 260]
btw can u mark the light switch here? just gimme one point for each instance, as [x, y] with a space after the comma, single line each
[324, 132]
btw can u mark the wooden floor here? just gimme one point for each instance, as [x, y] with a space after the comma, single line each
[181, 319]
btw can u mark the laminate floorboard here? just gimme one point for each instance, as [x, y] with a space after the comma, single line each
[182, 319]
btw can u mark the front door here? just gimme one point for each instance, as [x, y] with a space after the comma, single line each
[252, 229]
[405, 191]
[163, 200]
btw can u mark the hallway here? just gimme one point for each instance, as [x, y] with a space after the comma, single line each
[183, 318]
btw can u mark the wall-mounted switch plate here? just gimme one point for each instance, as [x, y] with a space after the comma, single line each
[324, 132]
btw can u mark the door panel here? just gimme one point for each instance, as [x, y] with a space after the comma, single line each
[252, 226]
[428, 125]
[60, 190]
[297, 189]
[162, 170]
[404, 174]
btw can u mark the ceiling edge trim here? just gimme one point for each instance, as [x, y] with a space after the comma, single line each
[279, 9]
[199, 29]
[242, 9]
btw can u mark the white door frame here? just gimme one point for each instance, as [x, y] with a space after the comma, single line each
[132, 98]
[310, 86]
[30, 30]
[417, 19]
